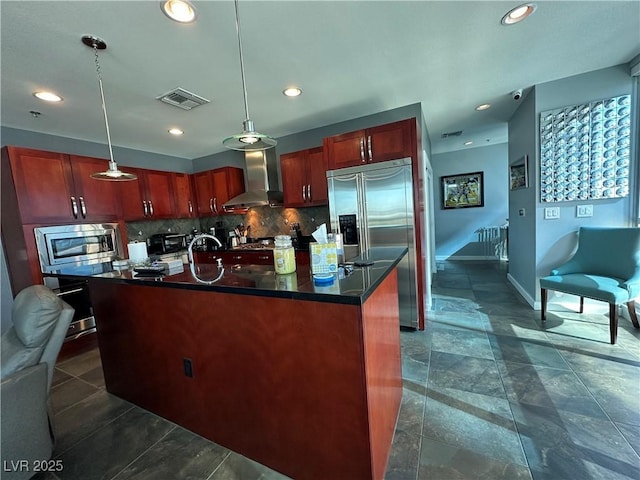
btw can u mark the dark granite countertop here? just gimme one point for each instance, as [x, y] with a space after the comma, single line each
[261, 280]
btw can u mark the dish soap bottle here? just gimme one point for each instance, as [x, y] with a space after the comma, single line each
[284, 256]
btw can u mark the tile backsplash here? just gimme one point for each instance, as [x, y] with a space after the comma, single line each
[264, 222]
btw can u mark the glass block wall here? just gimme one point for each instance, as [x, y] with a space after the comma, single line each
[585, 151]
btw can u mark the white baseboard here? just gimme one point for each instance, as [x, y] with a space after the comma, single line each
[528, 298]
[442, 258]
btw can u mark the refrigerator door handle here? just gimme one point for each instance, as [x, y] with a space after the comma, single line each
[362, 213]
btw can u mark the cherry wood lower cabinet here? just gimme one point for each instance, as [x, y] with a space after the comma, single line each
[251, 257]
[310, 389]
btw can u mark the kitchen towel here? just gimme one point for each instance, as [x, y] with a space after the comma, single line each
[137, 252]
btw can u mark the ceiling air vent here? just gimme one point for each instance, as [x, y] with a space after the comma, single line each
[452, 134]
[181, 98]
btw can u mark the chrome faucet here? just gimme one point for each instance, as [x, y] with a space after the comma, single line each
[192, 260]
[195, 239]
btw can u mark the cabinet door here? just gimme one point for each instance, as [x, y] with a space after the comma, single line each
[346, 150]
[159, 194]
[317, 166]
[293, 167]
[227, 183]
[183, 196]
[203, 184]
[44, 186]
[220, 189]
[131, 194]
[389, 142]
[97, 199]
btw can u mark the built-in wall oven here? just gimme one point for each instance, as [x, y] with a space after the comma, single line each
[69, 252]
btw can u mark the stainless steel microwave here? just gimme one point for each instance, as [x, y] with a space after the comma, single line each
[67, 248]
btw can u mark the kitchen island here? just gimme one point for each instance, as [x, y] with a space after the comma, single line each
[302, 378]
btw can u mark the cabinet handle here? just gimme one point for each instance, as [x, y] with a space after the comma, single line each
[69, 292]
[150, 209]
[190, 207]
[145, 211]
[304, 193]
[211, 205]
[215, 204]
[83, 207]
[263, 257]
[74, 207]
[309, 191]
[370, 148]
[237, 257]
[362, 150]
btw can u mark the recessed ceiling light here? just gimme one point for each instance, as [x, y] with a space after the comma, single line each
[292, 91]
[181, 11]
[518, 13]
[47, 96]
[175, 131]
[483, 106]
[468, 142]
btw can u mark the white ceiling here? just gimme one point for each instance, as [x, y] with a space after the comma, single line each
[351, 58]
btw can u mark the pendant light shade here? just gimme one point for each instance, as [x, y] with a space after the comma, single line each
[248, 140]
[113, 173]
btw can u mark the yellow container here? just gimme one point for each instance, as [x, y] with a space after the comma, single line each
[284, 256]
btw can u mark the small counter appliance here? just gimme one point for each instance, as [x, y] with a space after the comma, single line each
[161, 243]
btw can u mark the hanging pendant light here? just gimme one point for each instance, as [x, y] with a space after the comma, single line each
[113, 173]
[248, 140]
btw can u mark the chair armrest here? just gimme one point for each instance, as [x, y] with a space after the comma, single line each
[633, 285]
[571, 266]
[24, 420]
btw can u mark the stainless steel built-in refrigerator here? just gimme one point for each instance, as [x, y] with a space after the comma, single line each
[372, 206]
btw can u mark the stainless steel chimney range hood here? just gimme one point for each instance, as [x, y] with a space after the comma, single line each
[262, 174]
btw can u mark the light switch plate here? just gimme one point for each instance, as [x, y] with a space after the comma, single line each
[584, 210]
[551, 213]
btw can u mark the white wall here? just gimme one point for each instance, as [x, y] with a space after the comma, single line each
[455, 235]
[5, 294]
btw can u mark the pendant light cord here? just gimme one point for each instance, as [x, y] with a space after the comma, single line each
[244, 85]
[104, 106]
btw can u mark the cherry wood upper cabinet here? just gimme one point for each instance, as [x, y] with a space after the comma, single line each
[159, 189]
[56, 187]
[150, 197]
[215, 187]
[304, 177]
[377, 144]
[185, 207]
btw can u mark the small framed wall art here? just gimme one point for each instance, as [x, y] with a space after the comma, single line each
[463, 190]
[519, 173]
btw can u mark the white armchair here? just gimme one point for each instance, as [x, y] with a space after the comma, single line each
[29, 352]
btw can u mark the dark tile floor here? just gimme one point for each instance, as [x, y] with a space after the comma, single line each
[488, 394]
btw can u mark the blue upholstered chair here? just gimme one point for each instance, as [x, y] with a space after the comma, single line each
[605, 267]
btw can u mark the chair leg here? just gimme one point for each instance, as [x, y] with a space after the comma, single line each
[581, 304]
[632, 313]
[613, 322]
[543, 299]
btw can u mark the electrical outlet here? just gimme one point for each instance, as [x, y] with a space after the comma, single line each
[551, 213]
[584, 211]
[522, 212]
[188, 367]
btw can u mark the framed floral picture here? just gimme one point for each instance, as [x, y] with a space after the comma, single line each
[519, 173]
[463, 190]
